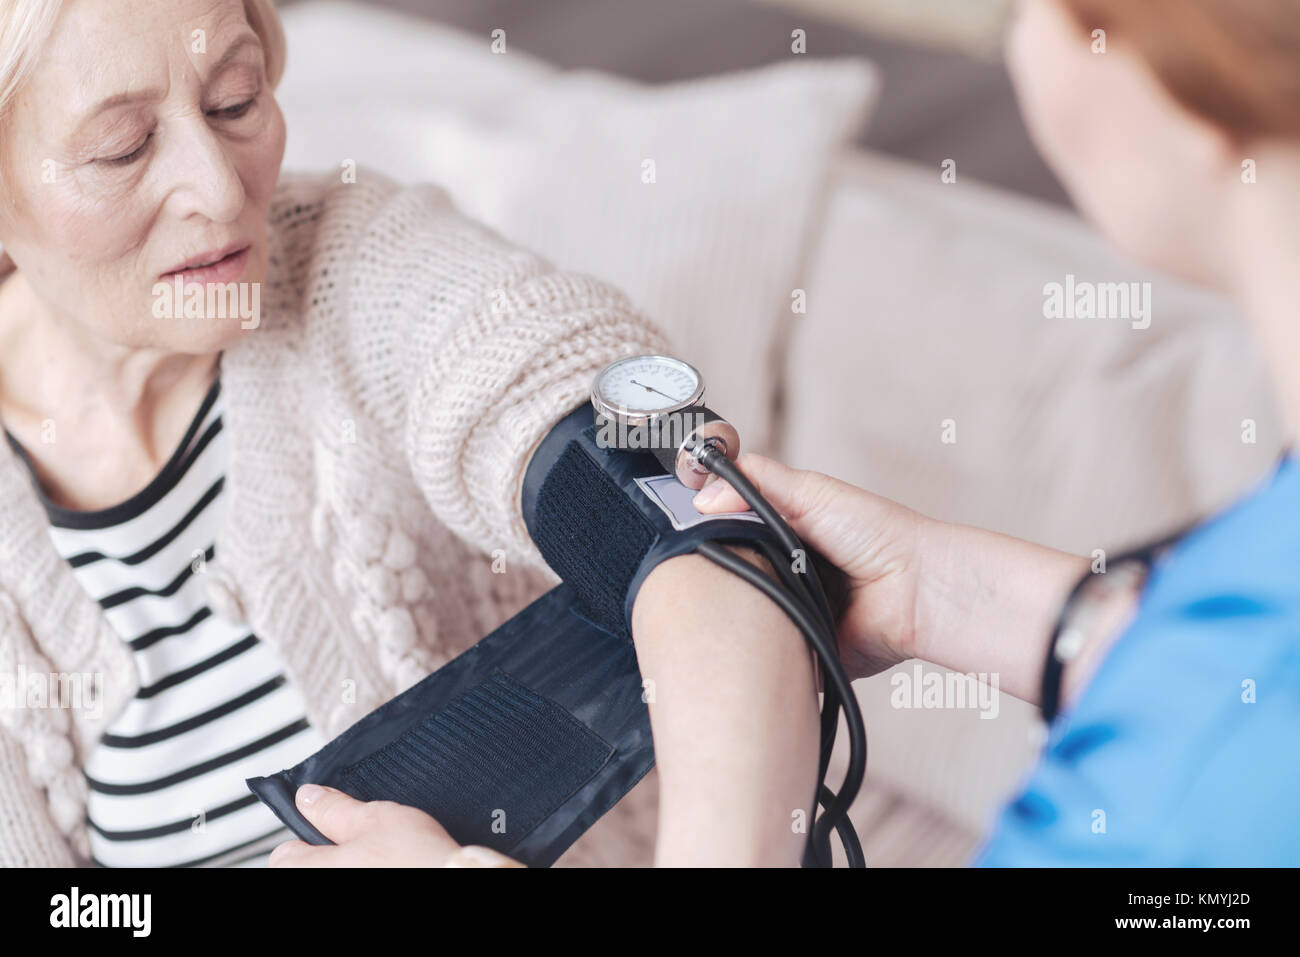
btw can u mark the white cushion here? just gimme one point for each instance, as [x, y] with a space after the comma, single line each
[554, 161]
[352, 56]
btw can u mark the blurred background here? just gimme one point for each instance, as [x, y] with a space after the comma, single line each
[834, 209]
[948, 92]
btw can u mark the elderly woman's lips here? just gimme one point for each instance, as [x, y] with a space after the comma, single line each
[224, 270]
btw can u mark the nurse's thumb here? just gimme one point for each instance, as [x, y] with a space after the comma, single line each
[797, 494]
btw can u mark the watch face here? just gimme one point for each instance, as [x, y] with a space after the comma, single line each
[644, 385]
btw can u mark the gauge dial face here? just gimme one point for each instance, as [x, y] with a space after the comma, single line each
[642, 385]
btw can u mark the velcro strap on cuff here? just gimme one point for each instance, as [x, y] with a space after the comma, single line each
[604, 518]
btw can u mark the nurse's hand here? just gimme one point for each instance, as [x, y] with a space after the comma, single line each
[376, 834]
[959, 596]
[874, 541]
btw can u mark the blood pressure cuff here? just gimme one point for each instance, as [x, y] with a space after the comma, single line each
[525, 740]
[604, 518]
[520, 744]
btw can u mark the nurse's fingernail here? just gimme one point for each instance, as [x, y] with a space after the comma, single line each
[707, 494]
[309, 793]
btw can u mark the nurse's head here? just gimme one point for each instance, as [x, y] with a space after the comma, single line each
[1152, 111]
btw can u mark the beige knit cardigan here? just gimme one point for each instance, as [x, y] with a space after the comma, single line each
[379, 421]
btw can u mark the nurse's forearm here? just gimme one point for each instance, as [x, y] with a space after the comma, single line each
[734, 714]
[988, 603]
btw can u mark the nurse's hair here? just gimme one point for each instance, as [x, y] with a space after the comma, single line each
[1235, 63]
[25, 25]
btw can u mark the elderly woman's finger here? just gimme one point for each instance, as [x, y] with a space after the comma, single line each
[288, 854]
[338, 816]
[319, 855]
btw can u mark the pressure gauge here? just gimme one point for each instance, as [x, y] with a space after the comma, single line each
[656, 404]
[637, 389]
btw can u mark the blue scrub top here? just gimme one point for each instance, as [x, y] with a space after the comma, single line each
[1185, 748]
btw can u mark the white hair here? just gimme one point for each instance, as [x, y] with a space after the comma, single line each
[25, 25]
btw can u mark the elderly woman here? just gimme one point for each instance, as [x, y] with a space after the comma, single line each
[249, 528]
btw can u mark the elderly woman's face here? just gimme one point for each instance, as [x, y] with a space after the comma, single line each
[146, 139]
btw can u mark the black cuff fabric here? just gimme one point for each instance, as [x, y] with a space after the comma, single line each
[599, 528]
[519, 744]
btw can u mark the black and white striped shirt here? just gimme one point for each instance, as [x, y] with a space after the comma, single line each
[214, 707]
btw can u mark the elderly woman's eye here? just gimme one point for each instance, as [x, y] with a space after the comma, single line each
[129, 158]
[235, 112]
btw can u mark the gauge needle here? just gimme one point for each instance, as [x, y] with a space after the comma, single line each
[651, 388]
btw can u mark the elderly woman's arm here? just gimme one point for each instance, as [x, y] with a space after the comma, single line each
[28, 835]
[736, 733]
[487, 347]
[734, 714]
[462, 349]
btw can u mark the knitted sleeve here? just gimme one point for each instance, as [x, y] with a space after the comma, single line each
[28, 836]
[479, 346]
[36, 769]
[516, 363]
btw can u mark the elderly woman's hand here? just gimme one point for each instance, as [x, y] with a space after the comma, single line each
[376, 834]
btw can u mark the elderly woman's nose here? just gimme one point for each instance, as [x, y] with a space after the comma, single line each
[205, 175]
